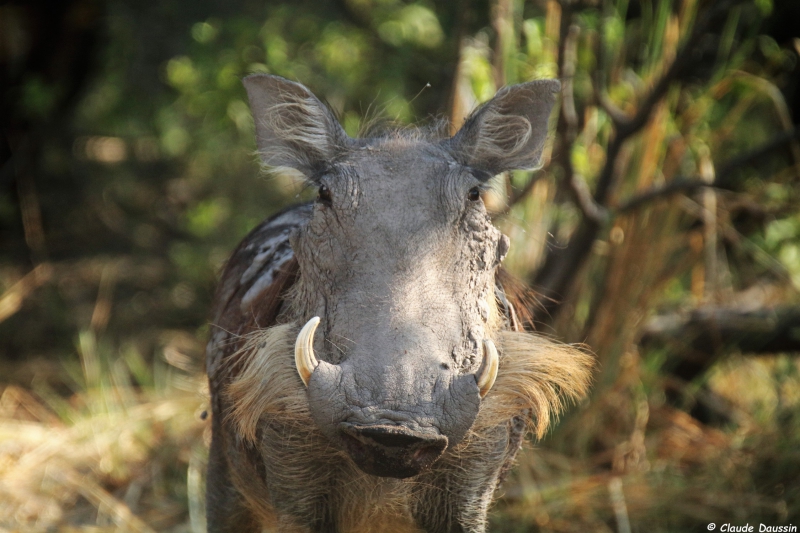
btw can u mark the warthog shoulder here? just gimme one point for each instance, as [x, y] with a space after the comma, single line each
[249, 297]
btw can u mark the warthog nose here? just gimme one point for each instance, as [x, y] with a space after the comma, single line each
[391, 451]
[391, 437]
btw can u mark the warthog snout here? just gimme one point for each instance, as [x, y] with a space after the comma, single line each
[391, 451]
[393, 411]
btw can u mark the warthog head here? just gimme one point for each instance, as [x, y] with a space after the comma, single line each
[397, 268]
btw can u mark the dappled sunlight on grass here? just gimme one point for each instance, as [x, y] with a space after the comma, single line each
[686, 473]
[119, 456]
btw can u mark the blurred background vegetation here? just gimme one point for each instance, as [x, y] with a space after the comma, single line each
[662, 232]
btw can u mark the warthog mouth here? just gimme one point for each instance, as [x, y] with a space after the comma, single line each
[391, 451]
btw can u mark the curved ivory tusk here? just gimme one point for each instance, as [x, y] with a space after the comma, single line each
[487, 373]
[304, 358]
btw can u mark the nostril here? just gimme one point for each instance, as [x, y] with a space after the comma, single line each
[390, 438]
[395, 437]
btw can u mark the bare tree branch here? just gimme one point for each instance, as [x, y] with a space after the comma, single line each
[722, 180]
[583, 197]
[591, 210]
[562, 265]
[605, 103]
[599, 85]
[570, 56]
[697, 340]
[779, 141]
[679, 185]
[682, 63]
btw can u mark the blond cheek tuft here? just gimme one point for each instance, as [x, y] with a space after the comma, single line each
[267, 383]
[536, 375]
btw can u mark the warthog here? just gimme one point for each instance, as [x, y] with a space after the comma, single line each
[366, 367]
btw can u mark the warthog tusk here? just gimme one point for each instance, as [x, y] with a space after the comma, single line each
[487, 373]
[304, 358]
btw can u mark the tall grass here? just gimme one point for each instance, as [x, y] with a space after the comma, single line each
[125, 452]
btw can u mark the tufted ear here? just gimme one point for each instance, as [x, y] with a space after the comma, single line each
[508, 131]
[293, 128]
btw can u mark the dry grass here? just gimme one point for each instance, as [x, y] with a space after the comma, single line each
[123, 457]
[671, 473]
[111, 457]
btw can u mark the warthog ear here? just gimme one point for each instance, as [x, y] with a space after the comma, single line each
[507, 132]
[293, 128]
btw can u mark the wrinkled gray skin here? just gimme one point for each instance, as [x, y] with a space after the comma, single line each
[398, 259]
[401, 270]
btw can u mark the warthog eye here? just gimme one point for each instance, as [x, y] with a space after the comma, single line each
[474, 194]
[324, 195]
